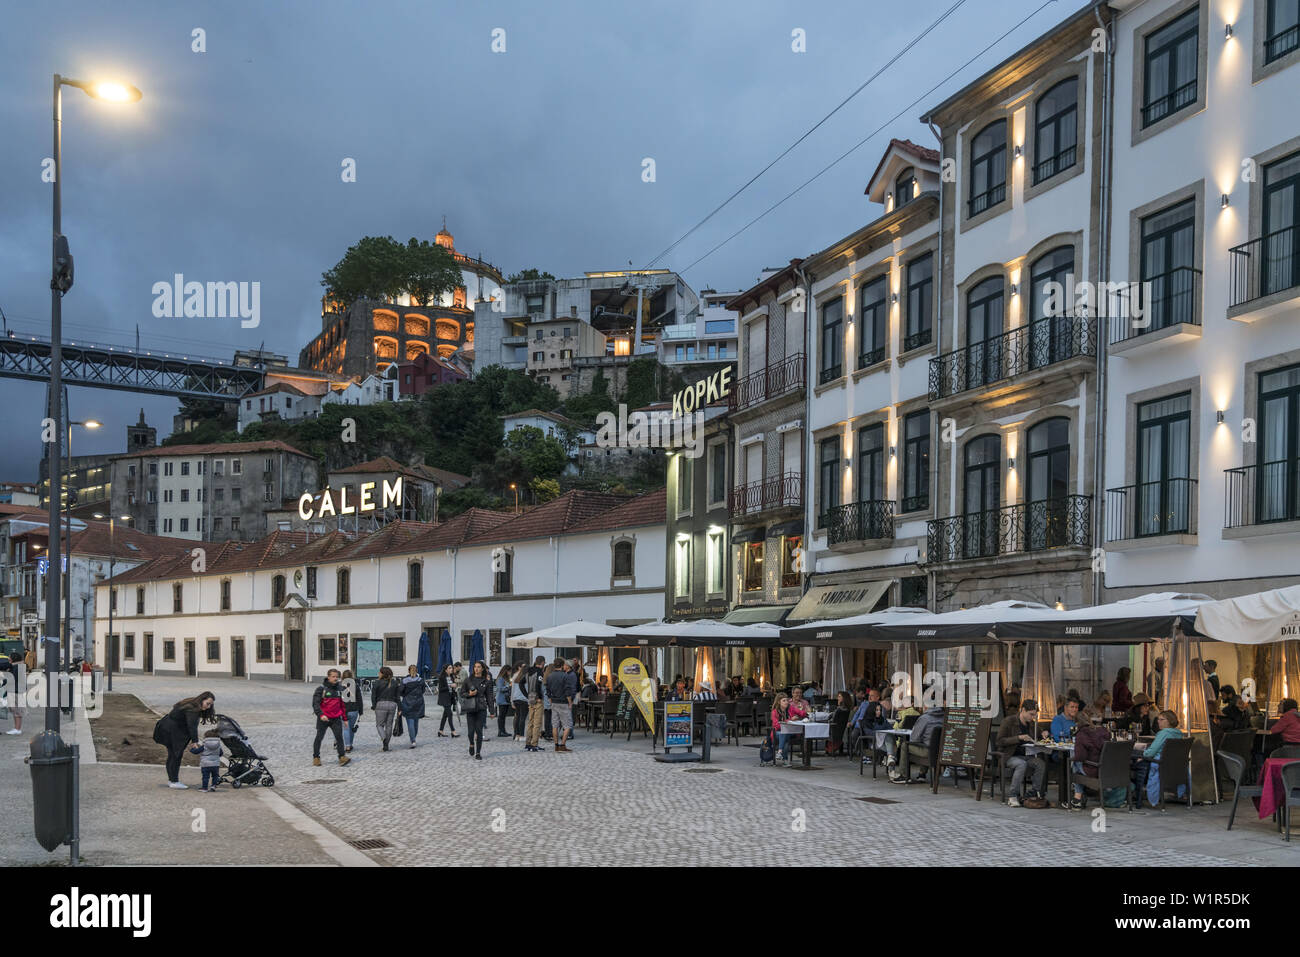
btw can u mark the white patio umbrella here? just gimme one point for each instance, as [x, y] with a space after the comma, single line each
[562, 636]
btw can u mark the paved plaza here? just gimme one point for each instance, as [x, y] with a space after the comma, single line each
[607, 800]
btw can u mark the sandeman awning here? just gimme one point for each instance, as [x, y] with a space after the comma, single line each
[839, 601]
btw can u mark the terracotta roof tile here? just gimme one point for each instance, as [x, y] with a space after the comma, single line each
[554, 517]
[647, 509]
[216, 448]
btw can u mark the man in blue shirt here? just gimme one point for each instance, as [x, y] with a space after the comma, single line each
[1065, 722]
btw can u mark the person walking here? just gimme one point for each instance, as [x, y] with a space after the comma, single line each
[503, 700]
[12, 681]
[519, 701]
[536, 704]
[477, 699]
[412, 704]
[331, 712]
[352, 701]
[447, 700]
[179, 730]
[209, 759]
[547, 727]
[385, 694]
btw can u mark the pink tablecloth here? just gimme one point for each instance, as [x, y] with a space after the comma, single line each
[1274, 793]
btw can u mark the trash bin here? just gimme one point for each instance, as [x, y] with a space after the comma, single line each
[51, 762]
[716, 727]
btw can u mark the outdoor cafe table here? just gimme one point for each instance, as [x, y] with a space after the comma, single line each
[1274, 795]
[881, 736]
[1066, 750]
[809, 729]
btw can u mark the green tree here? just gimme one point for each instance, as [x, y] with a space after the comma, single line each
[543, 456]
[544, 490]
[379, 267]
[528, 274]
[431, 271]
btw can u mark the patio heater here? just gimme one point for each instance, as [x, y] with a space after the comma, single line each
[1038, 681]
[1187, 695]
[904, 657]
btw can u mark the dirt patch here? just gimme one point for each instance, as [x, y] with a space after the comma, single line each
[124, 733]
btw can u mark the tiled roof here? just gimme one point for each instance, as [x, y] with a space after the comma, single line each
[215, 448]
[647, 509]
[553, 416]
[905, 146]
[576, 511]
[99, 540]
[278, 387]
[453, 480]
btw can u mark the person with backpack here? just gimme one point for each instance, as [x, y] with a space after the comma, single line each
[477, 699]
[412, 704]
[352, 701]
[331, 712]
[519, 702]
[385, 694]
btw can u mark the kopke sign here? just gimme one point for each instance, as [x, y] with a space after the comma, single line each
[704, 392]
[391, 495]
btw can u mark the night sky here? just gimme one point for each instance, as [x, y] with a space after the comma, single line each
[229, 167]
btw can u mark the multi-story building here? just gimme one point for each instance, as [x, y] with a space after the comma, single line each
[279, 402]
[555, 346]
[288, 608]
[1202, 448]
[368, 336]
[767, 414]
[417, 376]
[98, 550]
[1014, 389]
[89, 476]
[216, 492]
[873, 320]
[706, 335]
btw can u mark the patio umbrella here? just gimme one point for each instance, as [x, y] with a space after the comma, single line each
[562, 636]
[424, 659]
[705, 633]
[978, 625]
[1144, 618]
[444, 650]
[476, 649]
[856, 631]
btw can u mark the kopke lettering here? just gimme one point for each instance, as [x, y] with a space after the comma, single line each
[73, 910]
[179, 299]
[705, 392]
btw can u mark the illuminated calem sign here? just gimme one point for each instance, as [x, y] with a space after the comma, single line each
[390, 495]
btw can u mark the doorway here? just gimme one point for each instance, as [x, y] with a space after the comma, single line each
[295, 655]
[191, 666]
[148, 652]
[237, 668]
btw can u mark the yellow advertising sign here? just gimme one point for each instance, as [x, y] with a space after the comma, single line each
[637, 681]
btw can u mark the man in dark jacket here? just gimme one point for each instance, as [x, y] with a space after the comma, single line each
[562, 687]
[1018, 730]
[536, 705]
[331, 712]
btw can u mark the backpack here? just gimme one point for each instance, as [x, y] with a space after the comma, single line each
[767, 752]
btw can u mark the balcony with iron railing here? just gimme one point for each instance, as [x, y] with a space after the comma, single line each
[1265, 494]
[767, 495]
[1151, 510]
[859, 522]
[1021, 352]
[1161, 308]
[772, 382]
[1029, 527]
[1264, 272]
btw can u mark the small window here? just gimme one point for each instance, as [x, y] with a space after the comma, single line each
[236, 466]
[685, 482]
[225, 594]
[185, 524]
[394, 648]
[344, 587]
[622, 559]
[1056, 130]
[503, 579]
[311, 581]
[177, 598]
[828, 478]
[169, 649]
[790, 544]
[128, 650]
[153, 468]
[682, 569]
[139, 600]
[753, 566]
[277, 591]
[1171, 68]
[414, 581]
[328, 651]
[904, 187]
[1282, 34]
[263, 649]
[920, 302]
[185, 468]
[873, 311]
[214, 649]
[832, 333]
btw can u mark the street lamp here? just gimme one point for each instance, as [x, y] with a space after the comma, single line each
[53, 763]
[514, 488]
[110, 645]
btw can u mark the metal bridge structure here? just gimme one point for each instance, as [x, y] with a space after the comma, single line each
[93, 364]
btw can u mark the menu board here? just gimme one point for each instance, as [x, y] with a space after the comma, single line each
[370, 655]
[965, 740]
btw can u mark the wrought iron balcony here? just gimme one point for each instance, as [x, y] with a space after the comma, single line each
[1025, 349]
[1147, 509]
[785, 491]
[1027, 527]
[1264, 266]
[1262, 494]
[776, 380]
[859, 522]
[1166, 300]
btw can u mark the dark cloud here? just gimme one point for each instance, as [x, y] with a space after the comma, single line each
[228, 169]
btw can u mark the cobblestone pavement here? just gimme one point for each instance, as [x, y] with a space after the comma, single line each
[436, 805]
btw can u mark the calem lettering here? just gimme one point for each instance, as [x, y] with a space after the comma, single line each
[392, 494]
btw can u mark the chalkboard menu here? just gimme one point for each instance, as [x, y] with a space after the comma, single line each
[963, 745]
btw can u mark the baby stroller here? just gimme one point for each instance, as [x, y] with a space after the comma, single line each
[244, 765]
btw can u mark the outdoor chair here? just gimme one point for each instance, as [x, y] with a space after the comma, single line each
[927, 754]
[1241, 744]
[997, 768]
[763, 720]
[744, 716]
[729, 708]
[1236, 768]
[1286, 751]
[608, 709]
[1174, 762]
[837, 736]
[1112, 772]
[1291, 788]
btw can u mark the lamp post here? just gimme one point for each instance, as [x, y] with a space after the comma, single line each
[110, 645]
[514, 488]
[53, 763]
[91, 424]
